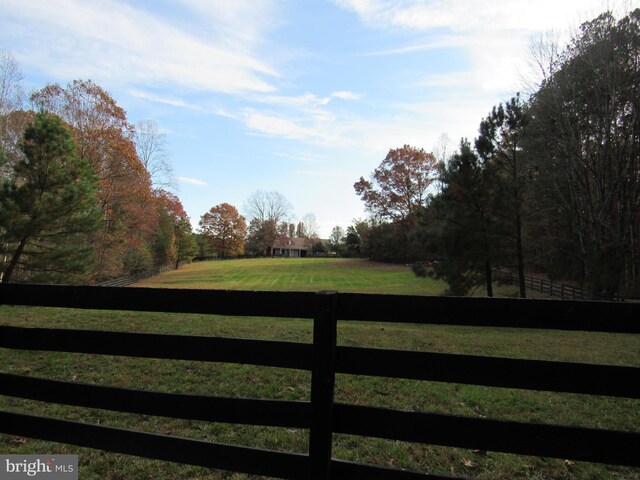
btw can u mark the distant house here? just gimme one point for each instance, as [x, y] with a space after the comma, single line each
[300, 247]
[291, 247]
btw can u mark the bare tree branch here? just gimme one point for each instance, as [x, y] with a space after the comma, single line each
[151, 146]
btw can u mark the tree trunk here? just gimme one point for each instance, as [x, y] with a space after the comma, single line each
[487, 271]
[4, 260]
[6, 278]
[523, 290]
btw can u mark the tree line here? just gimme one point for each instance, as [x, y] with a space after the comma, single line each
[223, 232]
[84, 194]
[550, 184]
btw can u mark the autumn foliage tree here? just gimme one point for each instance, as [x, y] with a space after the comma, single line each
[174, 240]
[396, 193]
[105, 139]
[186, 241]
[225, 229]
[139, 227]
[398, 187]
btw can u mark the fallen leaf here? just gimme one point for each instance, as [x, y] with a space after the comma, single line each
[468, 463]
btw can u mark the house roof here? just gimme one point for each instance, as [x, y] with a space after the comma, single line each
[299, 243]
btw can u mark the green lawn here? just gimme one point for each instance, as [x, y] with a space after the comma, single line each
[299, 274]
[271, 383]
[309, 274]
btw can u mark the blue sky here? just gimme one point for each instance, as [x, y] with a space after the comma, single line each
[298, 96]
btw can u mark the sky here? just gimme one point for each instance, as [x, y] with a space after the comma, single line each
[302, 97]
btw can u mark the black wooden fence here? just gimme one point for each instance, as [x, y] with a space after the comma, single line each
[548, 287]
[131, 279]
[324, 359]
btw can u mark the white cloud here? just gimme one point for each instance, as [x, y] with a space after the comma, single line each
[192, 181]
[112, 41]
[346, 95]
[447, 80]
[304, 117]
[305, 156]
[164, 99]
[472, 15]
[415, 125]
[494, 36]
[322, 173]
[180, 103]
[240, 24]
[442, 41]
[277, 126]
[307, 101]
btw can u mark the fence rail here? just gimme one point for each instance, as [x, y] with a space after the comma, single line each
[553, 289]
[131, 279]
[324, 358]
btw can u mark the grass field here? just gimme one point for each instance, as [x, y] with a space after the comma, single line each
[306, 274]
[271, 383]
[299, 274]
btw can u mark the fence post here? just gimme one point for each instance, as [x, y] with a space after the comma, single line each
[322, 385]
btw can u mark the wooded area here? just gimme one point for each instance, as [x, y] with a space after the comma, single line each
[551, 184]
[79, 202]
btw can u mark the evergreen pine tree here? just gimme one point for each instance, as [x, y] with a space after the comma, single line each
[48, 208]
